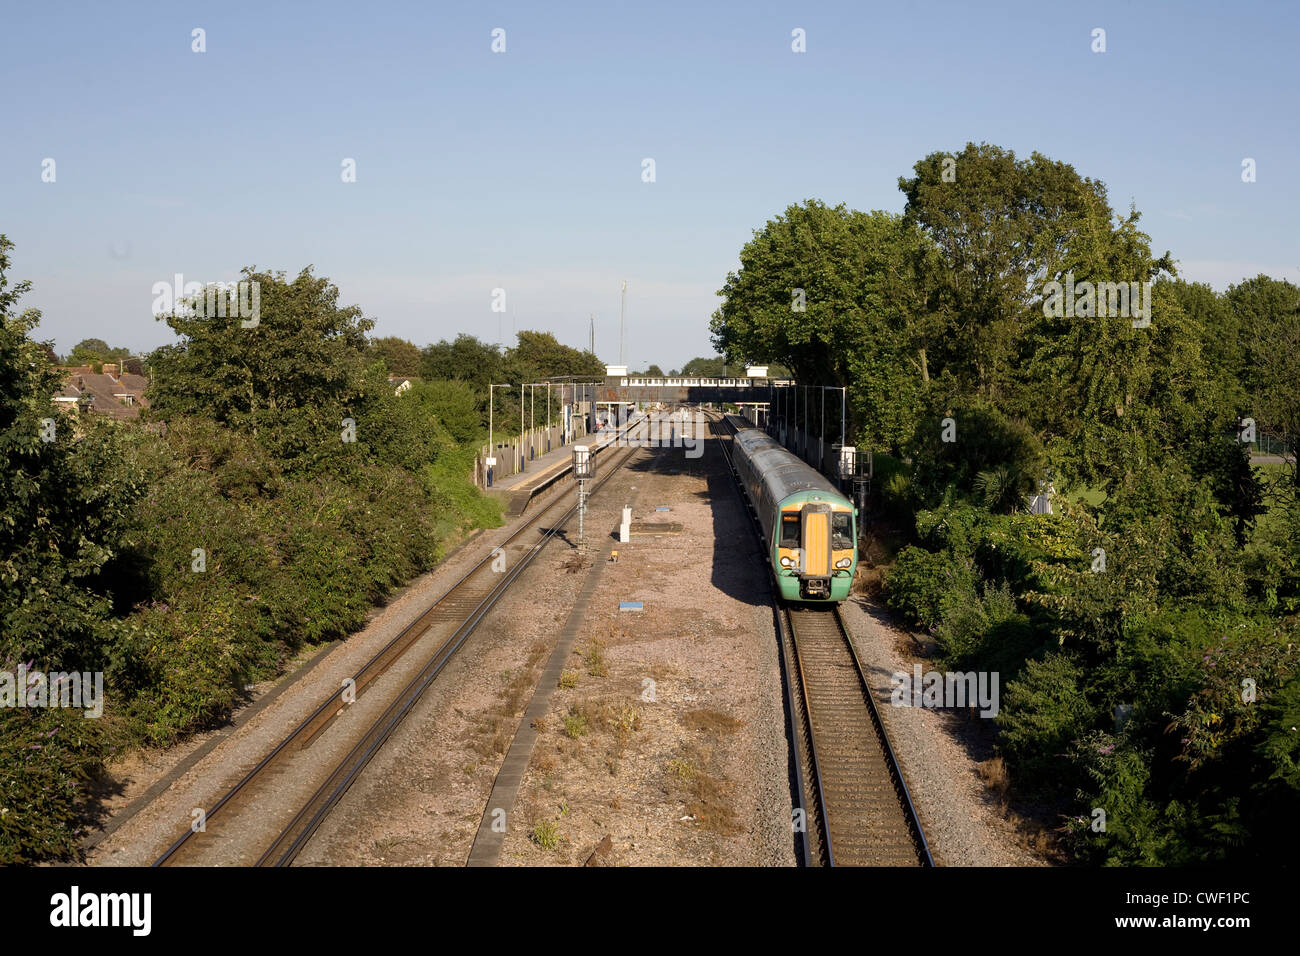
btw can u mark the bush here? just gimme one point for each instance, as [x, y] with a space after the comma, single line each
[986, 631]
[1041, 714]
[918, 581]
[46, 757]
[1004, 451]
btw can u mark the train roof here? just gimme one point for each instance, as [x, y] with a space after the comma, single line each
[784, 472]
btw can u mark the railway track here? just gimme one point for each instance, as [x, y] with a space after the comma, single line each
[864, 813]
[439, 632]
[850, 791]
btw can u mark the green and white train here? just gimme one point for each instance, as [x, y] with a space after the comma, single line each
[810, 529]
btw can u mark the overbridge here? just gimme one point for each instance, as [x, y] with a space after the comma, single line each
[625, 389]
[803, 417]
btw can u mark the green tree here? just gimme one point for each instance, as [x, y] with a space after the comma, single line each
[465, 359]
[544, 357]
[831, 294]
[64, 498]
[456, 405]
[62, 501]
[1268, 313]
[303, 366]
[704, 367]
[399, 356]
[95, 352]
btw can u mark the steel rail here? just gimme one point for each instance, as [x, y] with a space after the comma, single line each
[311, 727]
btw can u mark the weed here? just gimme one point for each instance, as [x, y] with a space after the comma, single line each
[595, 658]
[683, 769]
[994, 774]
[575, 725]
[713, 721]
[627, 721]
[546, 834]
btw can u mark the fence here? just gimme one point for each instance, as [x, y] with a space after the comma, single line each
[1278, 445]
[512, 453]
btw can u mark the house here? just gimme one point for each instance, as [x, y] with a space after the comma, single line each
[112, 392]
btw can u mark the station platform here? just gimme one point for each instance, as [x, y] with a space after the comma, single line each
[542, 472]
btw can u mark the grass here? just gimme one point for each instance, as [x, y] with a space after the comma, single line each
[546, 834]
[712, 721]
[994, 774]
[568, 679]
[445, 478]
[706, 797]
[1087, 495]
[595, 659]
[682, 769]
[575, 726]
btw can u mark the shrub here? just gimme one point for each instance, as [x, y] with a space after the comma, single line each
[575, 726]
[1041, 713]
[1005, 450]
[985, 631]
[918, 581]
[46, 756]
[546, 834]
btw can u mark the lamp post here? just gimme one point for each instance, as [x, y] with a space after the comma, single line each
[532, 405]
[492, 448]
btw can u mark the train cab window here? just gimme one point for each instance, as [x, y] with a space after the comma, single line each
[790, 529]
[841, 532]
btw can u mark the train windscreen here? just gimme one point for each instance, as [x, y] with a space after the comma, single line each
[790, 529]
[841, 532]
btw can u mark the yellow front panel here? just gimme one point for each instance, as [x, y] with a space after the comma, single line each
[817, 542]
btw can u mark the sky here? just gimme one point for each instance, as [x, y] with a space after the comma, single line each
[524, 170]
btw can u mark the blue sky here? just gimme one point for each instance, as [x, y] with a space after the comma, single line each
[522, 170]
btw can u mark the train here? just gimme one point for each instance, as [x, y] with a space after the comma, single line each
[810, 529]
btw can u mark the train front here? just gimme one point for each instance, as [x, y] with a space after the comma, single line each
[816, 549]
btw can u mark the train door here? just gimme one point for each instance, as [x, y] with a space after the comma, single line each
[817, 540]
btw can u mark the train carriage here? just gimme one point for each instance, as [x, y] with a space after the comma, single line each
[809, 528]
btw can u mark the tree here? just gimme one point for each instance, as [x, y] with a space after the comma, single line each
[545, 357]
[456, 405]
[832, 294]
[465, 359]
[704, 367]
[399, 356]
[1268, 313]
[1003, 229]
[62, 502]
[304, 359]
[95, 352]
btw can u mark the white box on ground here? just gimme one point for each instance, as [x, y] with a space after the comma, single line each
[624, 533]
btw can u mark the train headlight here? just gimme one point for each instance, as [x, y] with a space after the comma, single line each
[843, 562]
[787, 562]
